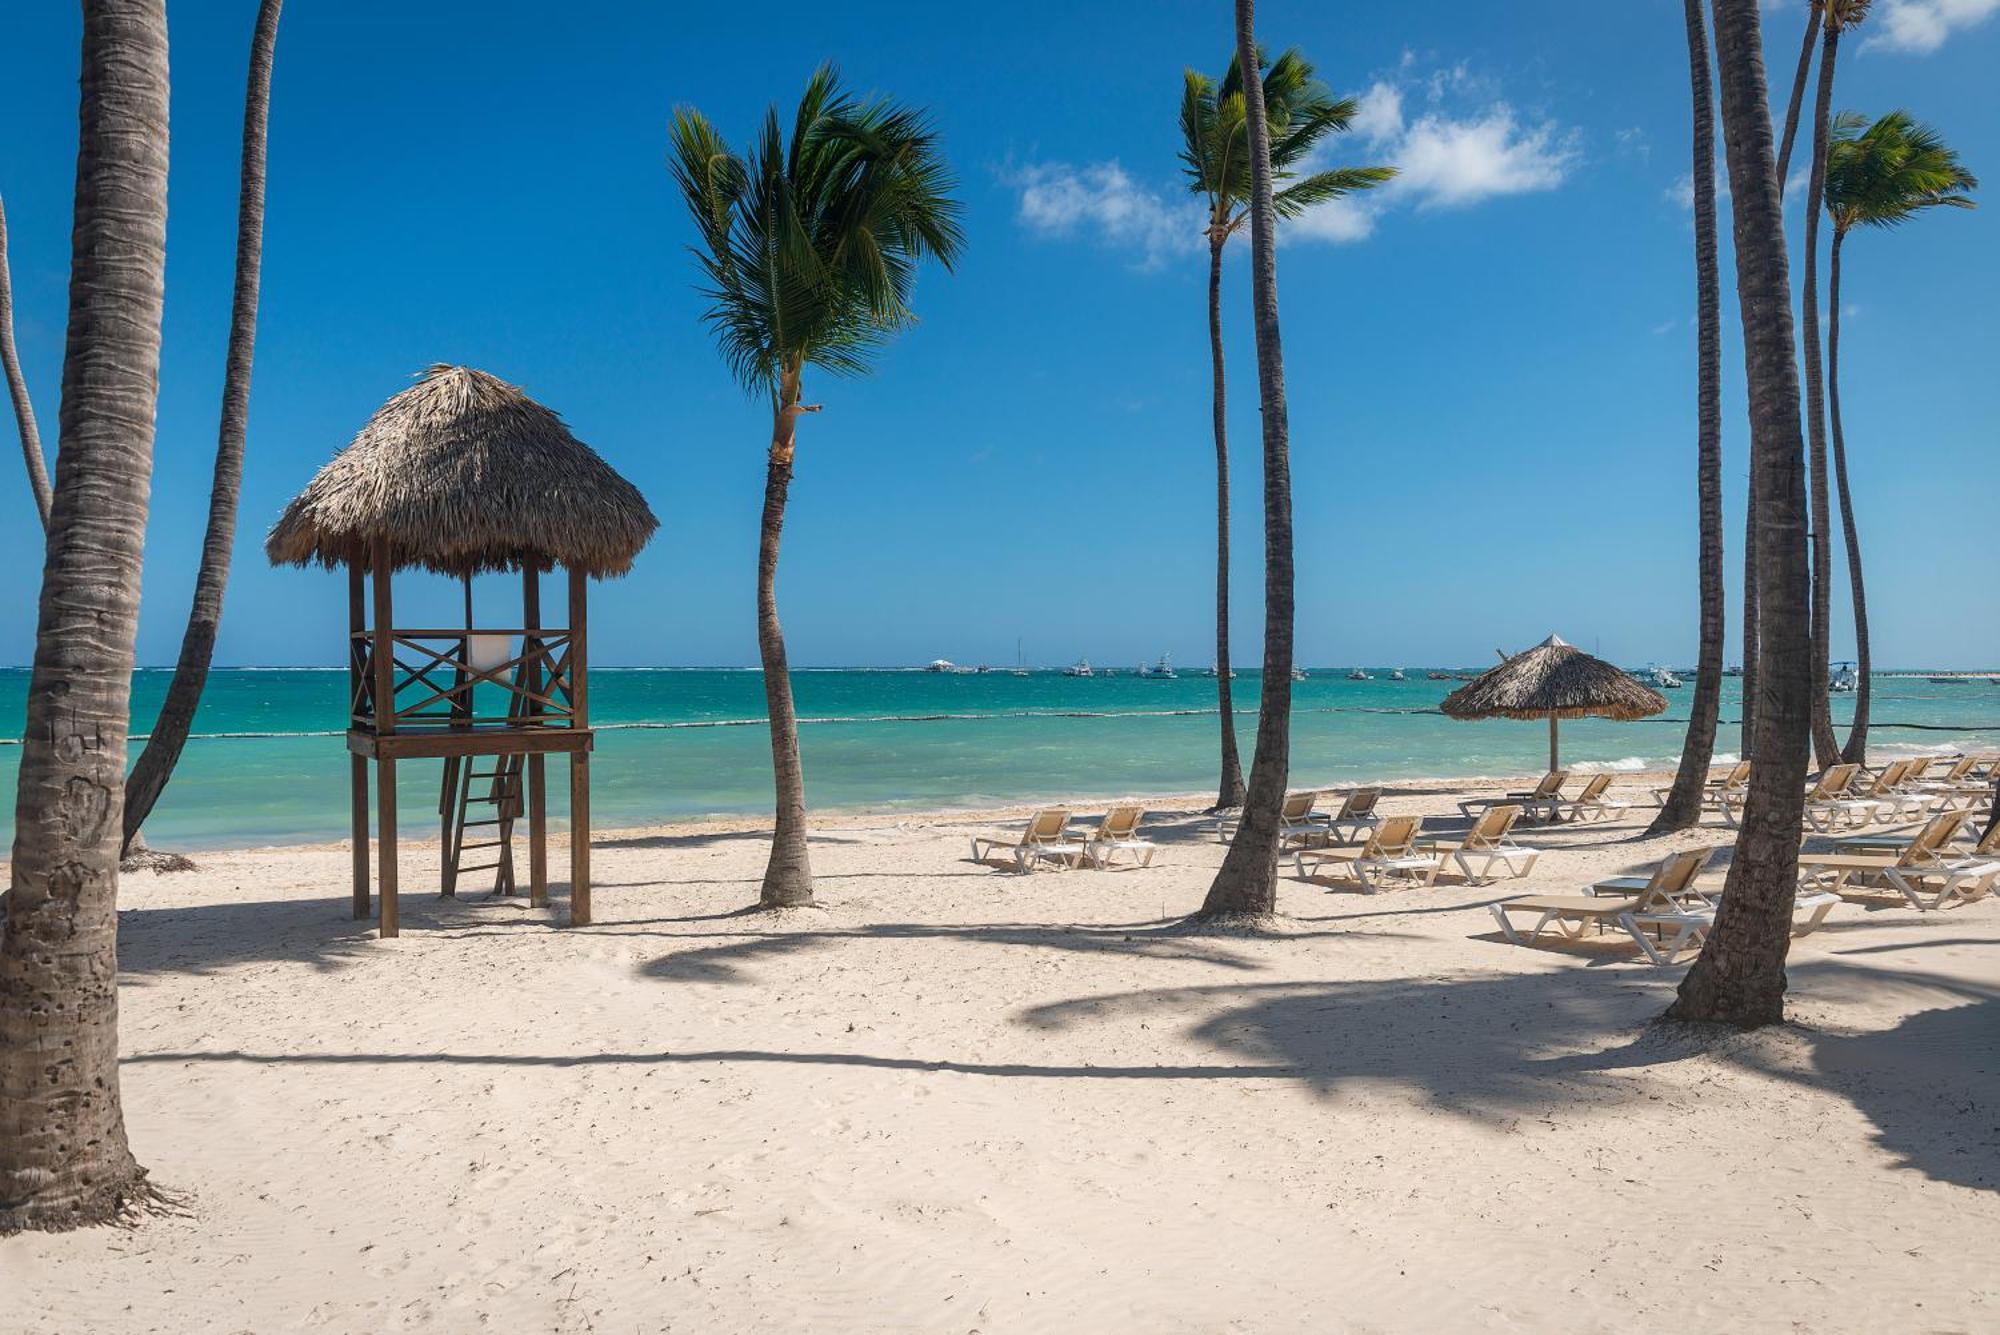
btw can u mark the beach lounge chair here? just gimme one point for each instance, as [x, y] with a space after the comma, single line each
[1716, 789]
[1045, 839]
[1592, 804]
[1910, 871]
[1486, 846]
[1570, 917]
[1389, 858]
[1548, 790]
[1665, 914]
[1118, 832]
[1983, 846]
[1298, 824]
[1356, 815]
[1831, 804]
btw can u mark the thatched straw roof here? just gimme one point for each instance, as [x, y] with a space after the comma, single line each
[463, 473]
[1558, 679]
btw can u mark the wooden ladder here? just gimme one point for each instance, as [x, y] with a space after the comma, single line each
[489, 813]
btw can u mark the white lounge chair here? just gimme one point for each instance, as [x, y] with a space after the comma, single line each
[1910, 870]
[1356, 815]
[1045, 839]
[1591, 803]
[1486, 846]
[1118, 833]
[1298, 824]
[1548, 789]
[1390, 858]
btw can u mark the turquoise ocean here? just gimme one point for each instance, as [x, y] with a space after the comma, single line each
[268, 765]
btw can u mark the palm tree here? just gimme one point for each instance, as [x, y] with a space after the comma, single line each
[1740, 976]
[809, 252]
[1878, 176]
[1215, 154]
[64, 1159]
[17, 387]
[1246, 887]
[176, 719]
[1750, 636]
[1682, 809]
[1838, 16]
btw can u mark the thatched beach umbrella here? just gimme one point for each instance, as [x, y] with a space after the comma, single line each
[463, 473]
[1555, 681]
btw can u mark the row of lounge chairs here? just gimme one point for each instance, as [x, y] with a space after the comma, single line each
[1049, 839]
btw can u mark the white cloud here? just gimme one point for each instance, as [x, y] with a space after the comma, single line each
[1448, 163]
[1466, 146]
[1449, 157]
[1922, 25]
[1058, 199]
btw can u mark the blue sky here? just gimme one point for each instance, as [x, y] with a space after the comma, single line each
[1490, 367]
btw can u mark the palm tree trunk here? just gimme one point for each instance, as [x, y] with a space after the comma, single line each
[1739, 977]
[1229, 790]
[1750, 631]
[17, 386]
[1856, 749]
[1682, 809]
[64, 1160]
[1247, 884]
[788, 874]
[1798, 91]
[1826, 748]
[155, 765]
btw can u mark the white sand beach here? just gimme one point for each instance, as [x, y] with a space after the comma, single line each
[959, 1099]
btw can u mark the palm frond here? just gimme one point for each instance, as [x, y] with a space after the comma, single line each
[1882, 174]
[1320, 187]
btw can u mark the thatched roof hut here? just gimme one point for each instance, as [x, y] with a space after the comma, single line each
[463, 473]
[1554, 680]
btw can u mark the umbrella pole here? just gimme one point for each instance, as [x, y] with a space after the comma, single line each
[1555, 752]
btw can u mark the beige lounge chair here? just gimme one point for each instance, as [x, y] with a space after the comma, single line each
[1486, 846]
[1983, 846]
[1892, 794]
[1547, 790]
[1924, 859]
[1298, 823]
[1045, 839]
[1356, 815]
[1666, 914]
[1831, 802]
[1715, 790]
[1570, 917]
[1592, 804]
[1389, 858]
[1118, 833]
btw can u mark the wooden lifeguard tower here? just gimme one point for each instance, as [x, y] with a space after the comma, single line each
[463, 474]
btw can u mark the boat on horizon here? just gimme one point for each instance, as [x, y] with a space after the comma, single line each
[1396, 674]
[1843, 678]
[1080, 668]
[1359, 674]
[1660, 679]
[1300, 674]
[1159, 671]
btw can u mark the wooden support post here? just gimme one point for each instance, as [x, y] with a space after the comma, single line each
[358, 783]
[357, 779]
[579, 839]
[385, 724]
[1555, 751]
[538, 831]
[385, 822]
[385, 639]
[538, 797]
[579, 761]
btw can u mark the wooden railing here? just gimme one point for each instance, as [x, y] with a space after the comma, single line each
[434, 684]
